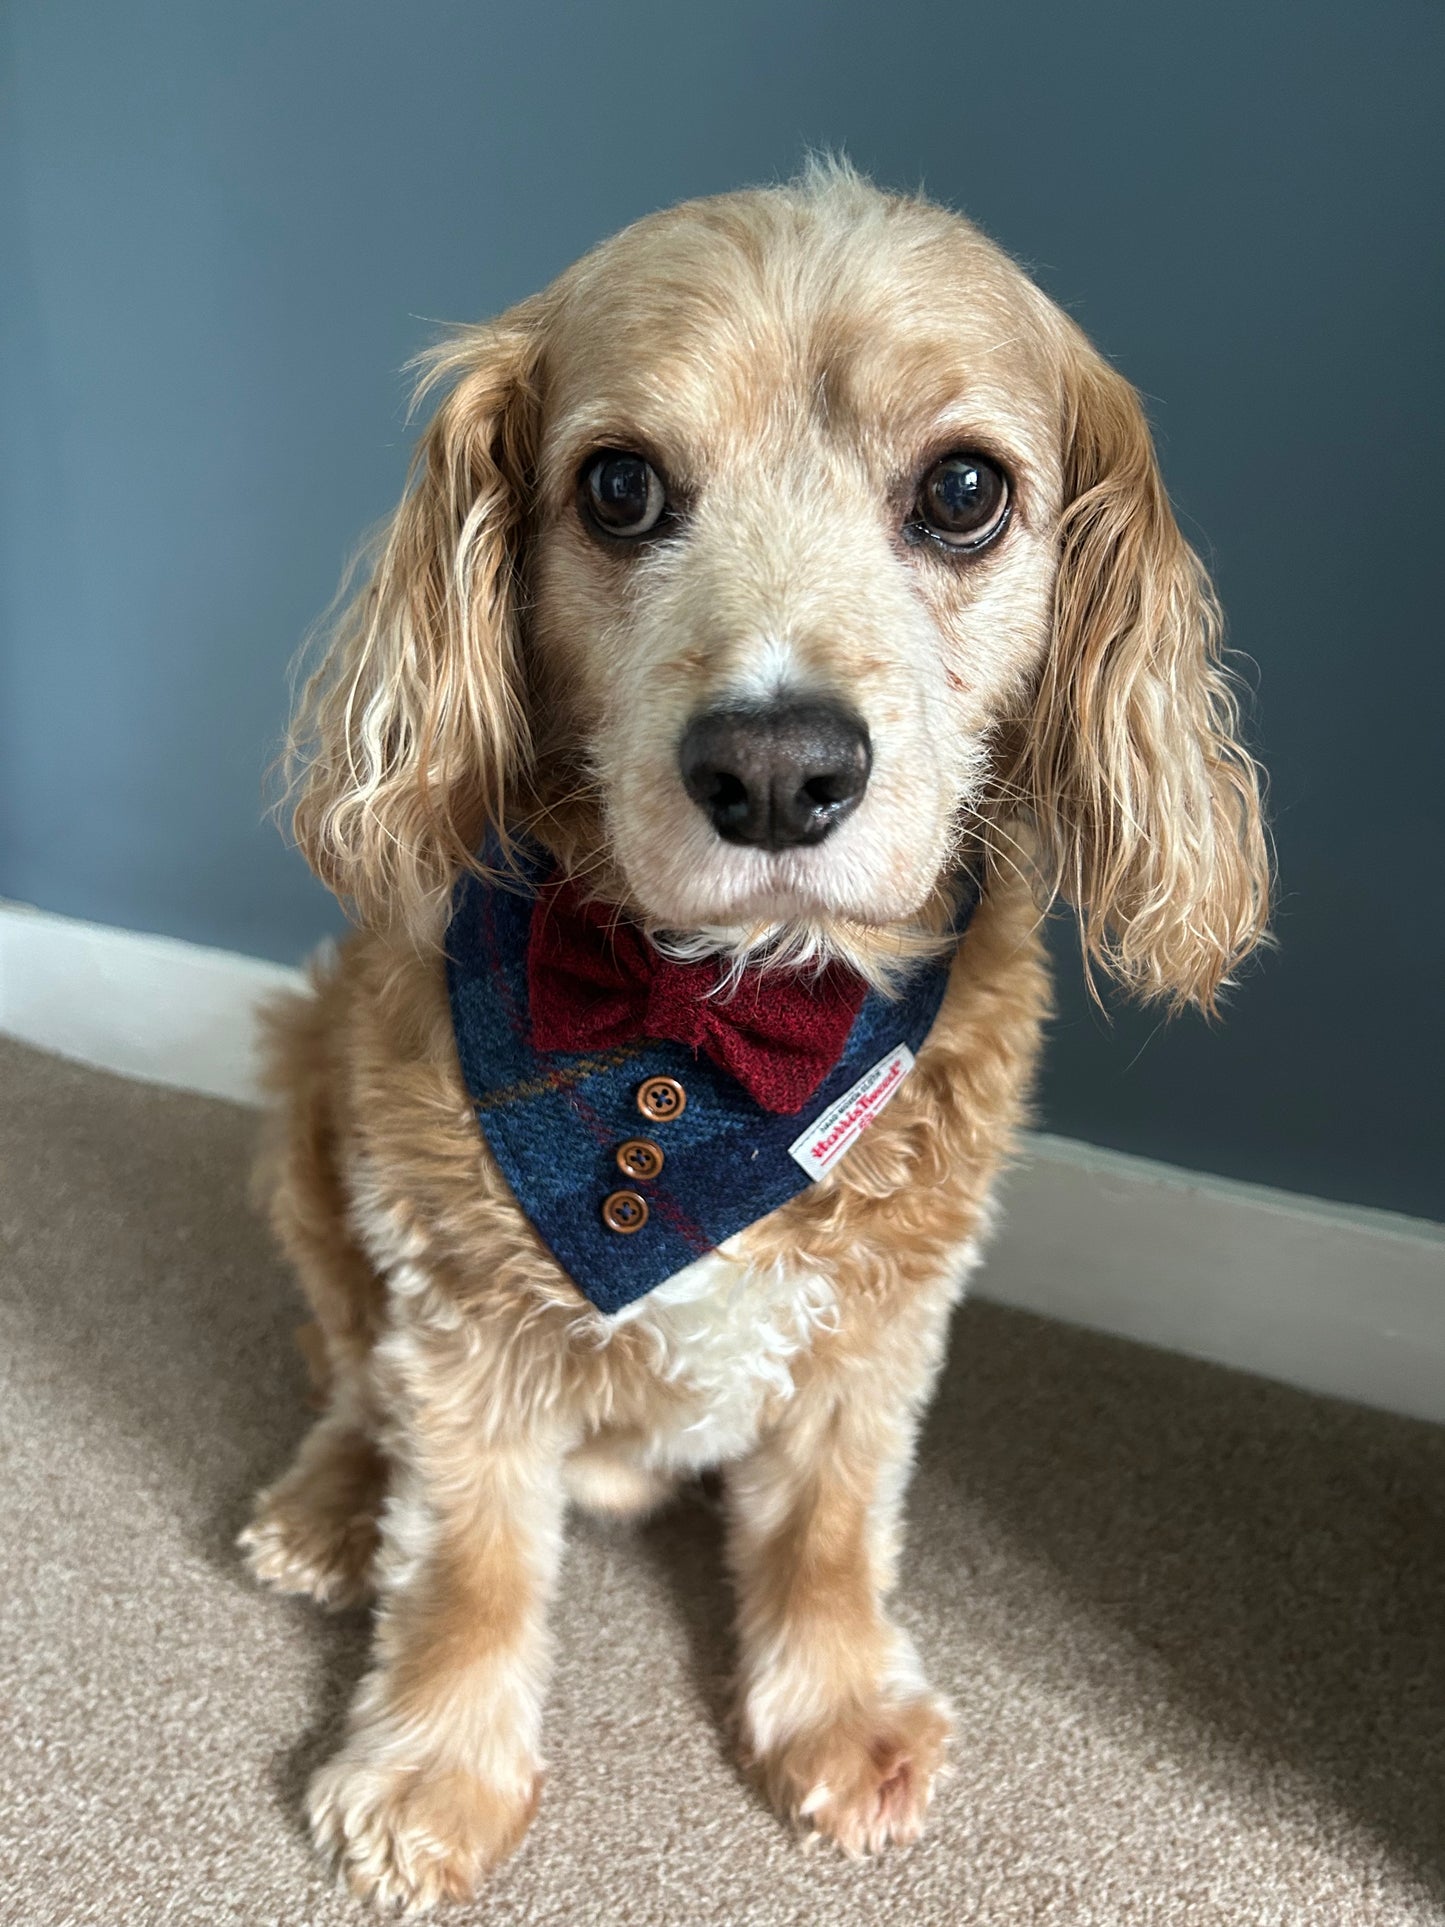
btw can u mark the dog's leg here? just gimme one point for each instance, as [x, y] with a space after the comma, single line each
[439, 1775]
[836, 1714]
[315, 1530]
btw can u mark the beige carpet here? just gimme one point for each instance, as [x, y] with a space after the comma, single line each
[1194, 1624]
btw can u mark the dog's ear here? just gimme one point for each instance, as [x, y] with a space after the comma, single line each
[412, 738]
[1146, 803]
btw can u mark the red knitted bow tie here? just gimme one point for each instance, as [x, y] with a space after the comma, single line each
[595, 982]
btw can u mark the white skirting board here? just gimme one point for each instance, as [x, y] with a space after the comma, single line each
[1334, 1299]
[149, 1007]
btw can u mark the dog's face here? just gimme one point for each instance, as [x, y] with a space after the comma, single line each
[794, 549]
[786, 540]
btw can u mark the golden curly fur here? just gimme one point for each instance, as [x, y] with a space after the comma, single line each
[791, 359]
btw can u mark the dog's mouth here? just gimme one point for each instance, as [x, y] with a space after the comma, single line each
[752, 895]
[804, 926]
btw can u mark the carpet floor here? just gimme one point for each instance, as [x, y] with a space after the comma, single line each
[1193, 1624]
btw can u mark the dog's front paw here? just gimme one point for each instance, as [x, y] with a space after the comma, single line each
[864, 1778]
[326, 1555]
[315, 1531]
[406, 1838]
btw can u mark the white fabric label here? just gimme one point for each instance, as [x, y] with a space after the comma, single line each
[845, 1121]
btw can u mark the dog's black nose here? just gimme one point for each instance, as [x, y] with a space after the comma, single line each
[777, 775]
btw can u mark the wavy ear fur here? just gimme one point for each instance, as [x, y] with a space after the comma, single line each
[1146, 804]
[412, 735]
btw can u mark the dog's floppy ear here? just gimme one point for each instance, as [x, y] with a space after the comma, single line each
[1147, 805]
[411, 738]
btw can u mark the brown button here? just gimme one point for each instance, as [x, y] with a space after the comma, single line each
[639, 1157]
[624, 1211]
[661, 1098]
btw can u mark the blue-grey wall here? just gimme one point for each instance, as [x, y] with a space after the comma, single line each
[223, 229]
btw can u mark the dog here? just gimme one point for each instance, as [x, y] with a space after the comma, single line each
[785, 609]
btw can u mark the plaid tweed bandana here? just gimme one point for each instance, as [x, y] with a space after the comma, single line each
[641, 1115]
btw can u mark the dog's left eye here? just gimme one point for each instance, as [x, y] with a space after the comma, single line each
[623, 494]
[963, 502]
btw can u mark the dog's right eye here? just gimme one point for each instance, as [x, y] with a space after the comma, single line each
[623, 494]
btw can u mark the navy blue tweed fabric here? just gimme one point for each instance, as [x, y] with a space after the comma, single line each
[554, 1120]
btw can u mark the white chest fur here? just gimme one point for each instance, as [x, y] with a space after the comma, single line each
[725, 1334]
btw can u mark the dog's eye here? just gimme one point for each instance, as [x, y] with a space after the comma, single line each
[623, 494]
[964, 501]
